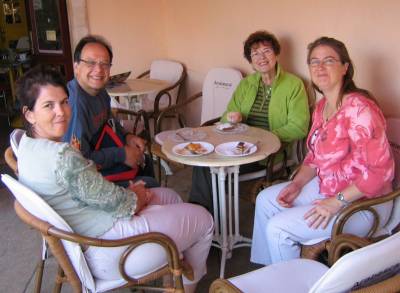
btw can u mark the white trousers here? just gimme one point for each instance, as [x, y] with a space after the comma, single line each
[278, 232]
[190, 226]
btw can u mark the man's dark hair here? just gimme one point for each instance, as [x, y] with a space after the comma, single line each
[91, 39]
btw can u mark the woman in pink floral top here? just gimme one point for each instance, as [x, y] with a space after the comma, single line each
[349, 158]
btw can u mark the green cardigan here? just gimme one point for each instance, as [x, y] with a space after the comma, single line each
[289, 114]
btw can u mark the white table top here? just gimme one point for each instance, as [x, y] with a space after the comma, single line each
[268, 143]
[138, 86]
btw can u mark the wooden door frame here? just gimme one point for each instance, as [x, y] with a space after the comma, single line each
[65, 58]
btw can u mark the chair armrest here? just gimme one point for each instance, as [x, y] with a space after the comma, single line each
[211, 121]
[48, 230]
[173, 109]
[166, 92]
[141, 114]
[146, 73]
[361, 205]
[223, 286]
[10, 159]
[269, 179]
[343, 244]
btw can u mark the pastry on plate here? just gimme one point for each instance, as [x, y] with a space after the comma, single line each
[241, 146]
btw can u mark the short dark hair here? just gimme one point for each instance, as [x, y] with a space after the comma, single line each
[91, 39]
[260, 37]
[29, 85]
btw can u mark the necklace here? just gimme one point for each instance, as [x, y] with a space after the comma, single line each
[327, 113]
[267, 91]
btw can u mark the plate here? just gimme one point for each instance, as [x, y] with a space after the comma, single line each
[229, 128]
[187, 134]
[229, 149]
[200, 148]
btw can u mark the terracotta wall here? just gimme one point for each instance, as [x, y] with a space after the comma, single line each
[135, 29]
[209, 33]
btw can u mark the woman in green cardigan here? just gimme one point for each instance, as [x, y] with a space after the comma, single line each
[270, 98]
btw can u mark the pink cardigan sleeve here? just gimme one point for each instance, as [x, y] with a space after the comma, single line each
[370, 164]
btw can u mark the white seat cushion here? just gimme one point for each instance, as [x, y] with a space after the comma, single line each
[297, 275]
[359, 265]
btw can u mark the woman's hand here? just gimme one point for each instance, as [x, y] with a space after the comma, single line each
[234, 117]
[143, 194]
[322, 212]
[288, 194]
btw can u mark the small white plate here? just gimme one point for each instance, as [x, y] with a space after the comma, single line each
[229, 149]
[181, 149]
[229, 128]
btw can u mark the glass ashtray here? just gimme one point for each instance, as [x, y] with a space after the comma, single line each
[230, 128]
[187, 134]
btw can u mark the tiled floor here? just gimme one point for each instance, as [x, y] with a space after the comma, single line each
[20, 246]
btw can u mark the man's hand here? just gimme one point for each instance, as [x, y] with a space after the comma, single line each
[133, 140]
[288, 195]
[322, 212]
[133, 156]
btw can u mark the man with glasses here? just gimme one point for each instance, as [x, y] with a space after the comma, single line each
[91, 113]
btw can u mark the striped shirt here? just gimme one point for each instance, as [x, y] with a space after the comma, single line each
[258, 115]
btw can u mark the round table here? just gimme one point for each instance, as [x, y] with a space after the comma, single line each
[221, 166]
[136, 87]
[133, 90]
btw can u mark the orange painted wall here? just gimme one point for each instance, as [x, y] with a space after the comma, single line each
[135, 29]
[209, 33]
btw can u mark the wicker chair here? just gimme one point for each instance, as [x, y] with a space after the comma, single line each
[11, 160]
[316, 248]
[153, 104]
[155, 254]
[372, 268]
[139, 126]
[10, 156]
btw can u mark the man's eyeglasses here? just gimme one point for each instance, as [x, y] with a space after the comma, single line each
[92, 64]
[261, 53]
[326, 62]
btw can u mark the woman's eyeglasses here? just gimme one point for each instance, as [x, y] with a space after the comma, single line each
[92, 64]
[326, 62]
[261, 53]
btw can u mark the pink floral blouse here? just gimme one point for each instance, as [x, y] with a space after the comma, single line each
[351, 147]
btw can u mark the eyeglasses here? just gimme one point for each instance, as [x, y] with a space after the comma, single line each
[326, 62]
[259, 54]
[92, 64]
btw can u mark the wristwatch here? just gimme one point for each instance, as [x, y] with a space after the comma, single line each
[340, 197]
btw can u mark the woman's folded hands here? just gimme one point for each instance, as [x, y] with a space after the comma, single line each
[143, 194]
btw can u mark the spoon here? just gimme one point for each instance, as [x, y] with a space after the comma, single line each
[181, 136]
[250, 147]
